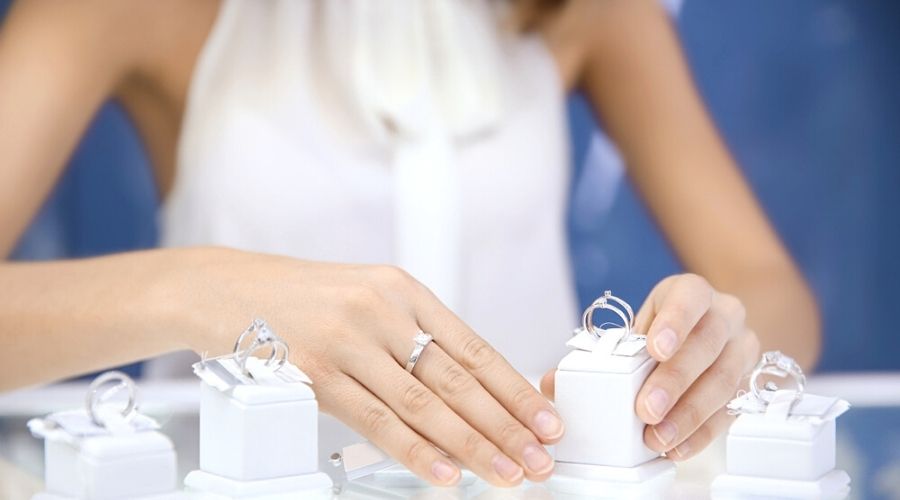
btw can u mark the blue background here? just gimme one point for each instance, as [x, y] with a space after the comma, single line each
[805, 93]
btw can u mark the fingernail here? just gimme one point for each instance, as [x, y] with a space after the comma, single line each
[506, 468]
[537, 459]
[444, 471]
[665, 342]
[682, 450]
[548, 425]
[657, 402]
[665, 431]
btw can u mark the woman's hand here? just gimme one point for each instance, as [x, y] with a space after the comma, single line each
[704, 350]
[351, 329]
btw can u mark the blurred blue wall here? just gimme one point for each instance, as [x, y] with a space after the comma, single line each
[806, 94]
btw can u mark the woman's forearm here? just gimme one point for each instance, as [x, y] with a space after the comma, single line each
[63, 318]
[781, 310]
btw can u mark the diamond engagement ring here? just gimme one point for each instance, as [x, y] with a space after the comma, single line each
[263, 336]
[421, 339]
[780, 365]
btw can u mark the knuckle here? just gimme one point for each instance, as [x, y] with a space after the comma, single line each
[677, 374]
[473, 443]
[696, 281]
[510, 431]
[477, 354]
[678, 315]
[522, 396]
[691, 414]
[392, 277]
[417, 452]
[733, 307]
[362, 298]
[729, 373]
[375, 418]
[416, 398]
[455, 380]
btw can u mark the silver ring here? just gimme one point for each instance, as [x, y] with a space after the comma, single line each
[421, 339]
[95, 397]
[776, 363]
[609, 296]
[264, 337]
[587, 319]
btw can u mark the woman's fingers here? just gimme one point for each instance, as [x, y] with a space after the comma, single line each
[429, 415]
[548, 385]
[715, 387]
[349, 401]
[672, 378]
[676, 307]
[703, 436]
[466, 396]
[493, 372]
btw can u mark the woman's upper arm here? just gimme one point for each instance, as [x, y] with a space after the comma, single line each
[638, 80]
[59, 61]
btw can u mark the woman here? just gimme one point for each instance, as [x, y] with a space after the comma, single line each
[300, 146]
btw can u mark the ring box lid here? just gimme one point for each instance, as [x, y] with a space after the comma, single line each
[135, 435]
[264, 385]
[781, 418]
[606, 353]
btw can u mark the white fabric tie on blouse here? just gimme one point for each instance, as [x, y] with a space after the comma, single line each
[423, 74]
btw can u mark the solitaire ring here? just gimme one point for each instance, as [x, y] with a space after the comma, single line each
[264, 337]
[421, 339]
[587, 319]
[778, 364]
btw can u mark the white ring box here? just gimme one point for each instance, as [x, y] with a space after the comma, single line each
[258, 434]
[123, 461]
[784, 448]
[596, 387]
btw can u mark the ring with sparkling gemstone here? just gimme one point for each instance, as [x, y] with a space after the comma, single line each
[421, 339]
[263, 336]
[780, 365]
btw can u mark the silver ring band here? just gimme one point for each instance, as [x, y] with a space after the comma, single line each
[421, 339]
[95, 397]
[587, 319]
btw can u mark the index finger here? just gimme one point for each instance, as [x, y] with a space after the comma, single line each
[491, 370]
[676, 309]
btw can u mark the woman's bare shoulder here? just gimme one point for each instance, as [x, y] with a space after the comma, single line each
[118, 36]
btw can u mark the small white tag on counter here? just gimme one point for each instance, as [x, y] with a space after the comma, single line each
[363, 459]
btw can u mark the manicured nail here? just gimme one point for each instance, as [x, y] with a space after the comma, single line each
[657, 402]
[537, 459]
[682, 450]
[665, 342]
[506, 468]
[665, 431]
[548, 425]
[444, 471]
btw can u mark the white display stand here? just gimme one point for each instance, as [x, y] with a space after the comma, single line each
[101, 453]
[783, 443]
[596, 386]
[258, 426]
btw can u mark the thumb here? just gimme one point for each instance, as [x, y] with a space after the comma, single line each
[548, 384]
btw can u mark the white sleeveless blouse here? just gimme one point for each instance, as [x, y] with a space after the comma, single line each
[411, 133]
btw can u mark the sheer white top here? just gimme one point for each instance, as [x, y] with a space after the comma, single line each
[422, 135]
